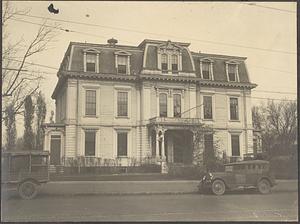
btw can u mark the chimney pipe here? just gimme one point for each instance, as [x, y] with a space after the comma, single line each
[112, 42]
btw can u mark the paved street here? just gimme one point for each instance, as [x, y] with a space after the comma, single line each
[278, 206]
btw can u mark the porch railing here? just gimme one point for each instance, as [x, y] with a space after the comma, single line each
[175, 120]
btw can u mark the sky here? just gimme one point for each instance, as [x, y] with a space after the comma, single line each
[265, 33]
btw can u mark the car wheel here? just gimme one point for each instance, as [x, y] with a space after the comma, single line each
[218, 187]
[264, 186]
[28, 190]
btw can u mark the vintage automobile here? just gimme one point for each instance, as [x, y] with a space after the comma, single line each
[239, 175]
[24, 171]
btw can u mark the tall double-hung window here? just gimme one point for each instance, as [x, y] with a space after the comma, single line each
[207, 107]
[90, 102]
[122, 104]
[234, 108]
[163, 105]
[235, 145]
[122, 143]
[90, 143]
[177, 105]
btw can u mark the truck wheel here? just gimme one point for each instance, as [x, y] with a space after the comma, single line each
[28, 190]
[218, 187]
[264, 186]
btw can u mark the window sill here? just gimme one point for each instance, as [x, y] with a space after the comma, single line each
[122, 117]
[206, 119]
[122, 157]
[90, 116]
[234, 121]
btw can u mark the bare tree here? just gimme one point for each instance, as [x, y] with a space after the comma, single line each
[279, 124]
[17, 80]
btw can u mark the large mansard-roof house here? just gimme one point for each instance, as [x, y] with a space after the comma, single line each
[119, 104]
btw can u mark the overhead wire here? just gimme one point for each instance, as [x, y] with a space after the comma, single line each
[94, 35]
[68, 30]
[268, 7]
[156, 34]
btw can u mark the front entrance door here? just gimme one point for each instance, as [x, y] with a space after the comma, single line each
[178, 148]
[55, 149]
[182, 142]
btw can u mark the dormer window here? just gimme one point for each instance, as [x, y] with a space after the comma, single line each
[174, 63]
[169, 58]
[206, 69]
[164, 63]
[91, 60]
[122, 62]
[232, 71]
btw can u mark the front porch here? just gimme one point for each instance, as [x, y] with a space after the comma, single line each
[172, 140]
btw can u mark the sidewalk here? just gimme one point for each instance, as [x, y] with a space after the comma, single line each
[138, 187]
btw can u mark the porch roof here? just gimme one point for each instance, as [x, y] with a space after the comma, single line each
[175, 122]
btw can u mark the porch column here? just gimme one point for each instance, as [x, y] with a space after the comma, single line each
[163, 153]
[157, 143]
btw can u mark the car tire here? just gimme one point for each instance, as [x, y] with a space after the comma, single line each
[28, 190]
[218, 187]
[264, 186]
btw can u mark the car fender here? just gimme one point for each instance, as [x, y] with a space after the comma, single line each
[266, 178]
[29, 179]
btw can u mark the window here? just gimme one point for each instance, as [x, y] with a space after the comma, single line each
[232, 70]
[174, 63]
[206, 73]
[90, 62]
[234, 109]
[90, 137]
[177, 105]
[207, 107]
[90, 102]
[163, 105]
[235, 145]
[122, 64]
[122, 143]
[122, 104]
[164, 63]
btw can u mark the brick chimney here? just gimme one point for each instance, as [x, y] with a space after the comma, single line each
[112, 42]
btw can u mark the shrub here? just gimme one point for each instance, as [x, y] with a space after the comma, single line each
[284, 167]
[186, 171]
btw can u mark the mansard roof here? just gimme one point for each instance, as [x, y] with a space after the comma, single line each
[144, 60]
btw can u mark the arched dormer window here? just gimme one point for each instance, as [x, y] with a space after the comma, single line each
[174, 61]
[206, 69]
[164, 63]
[169, 56]
[232, 71]
[91, 60]
[122, 62]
